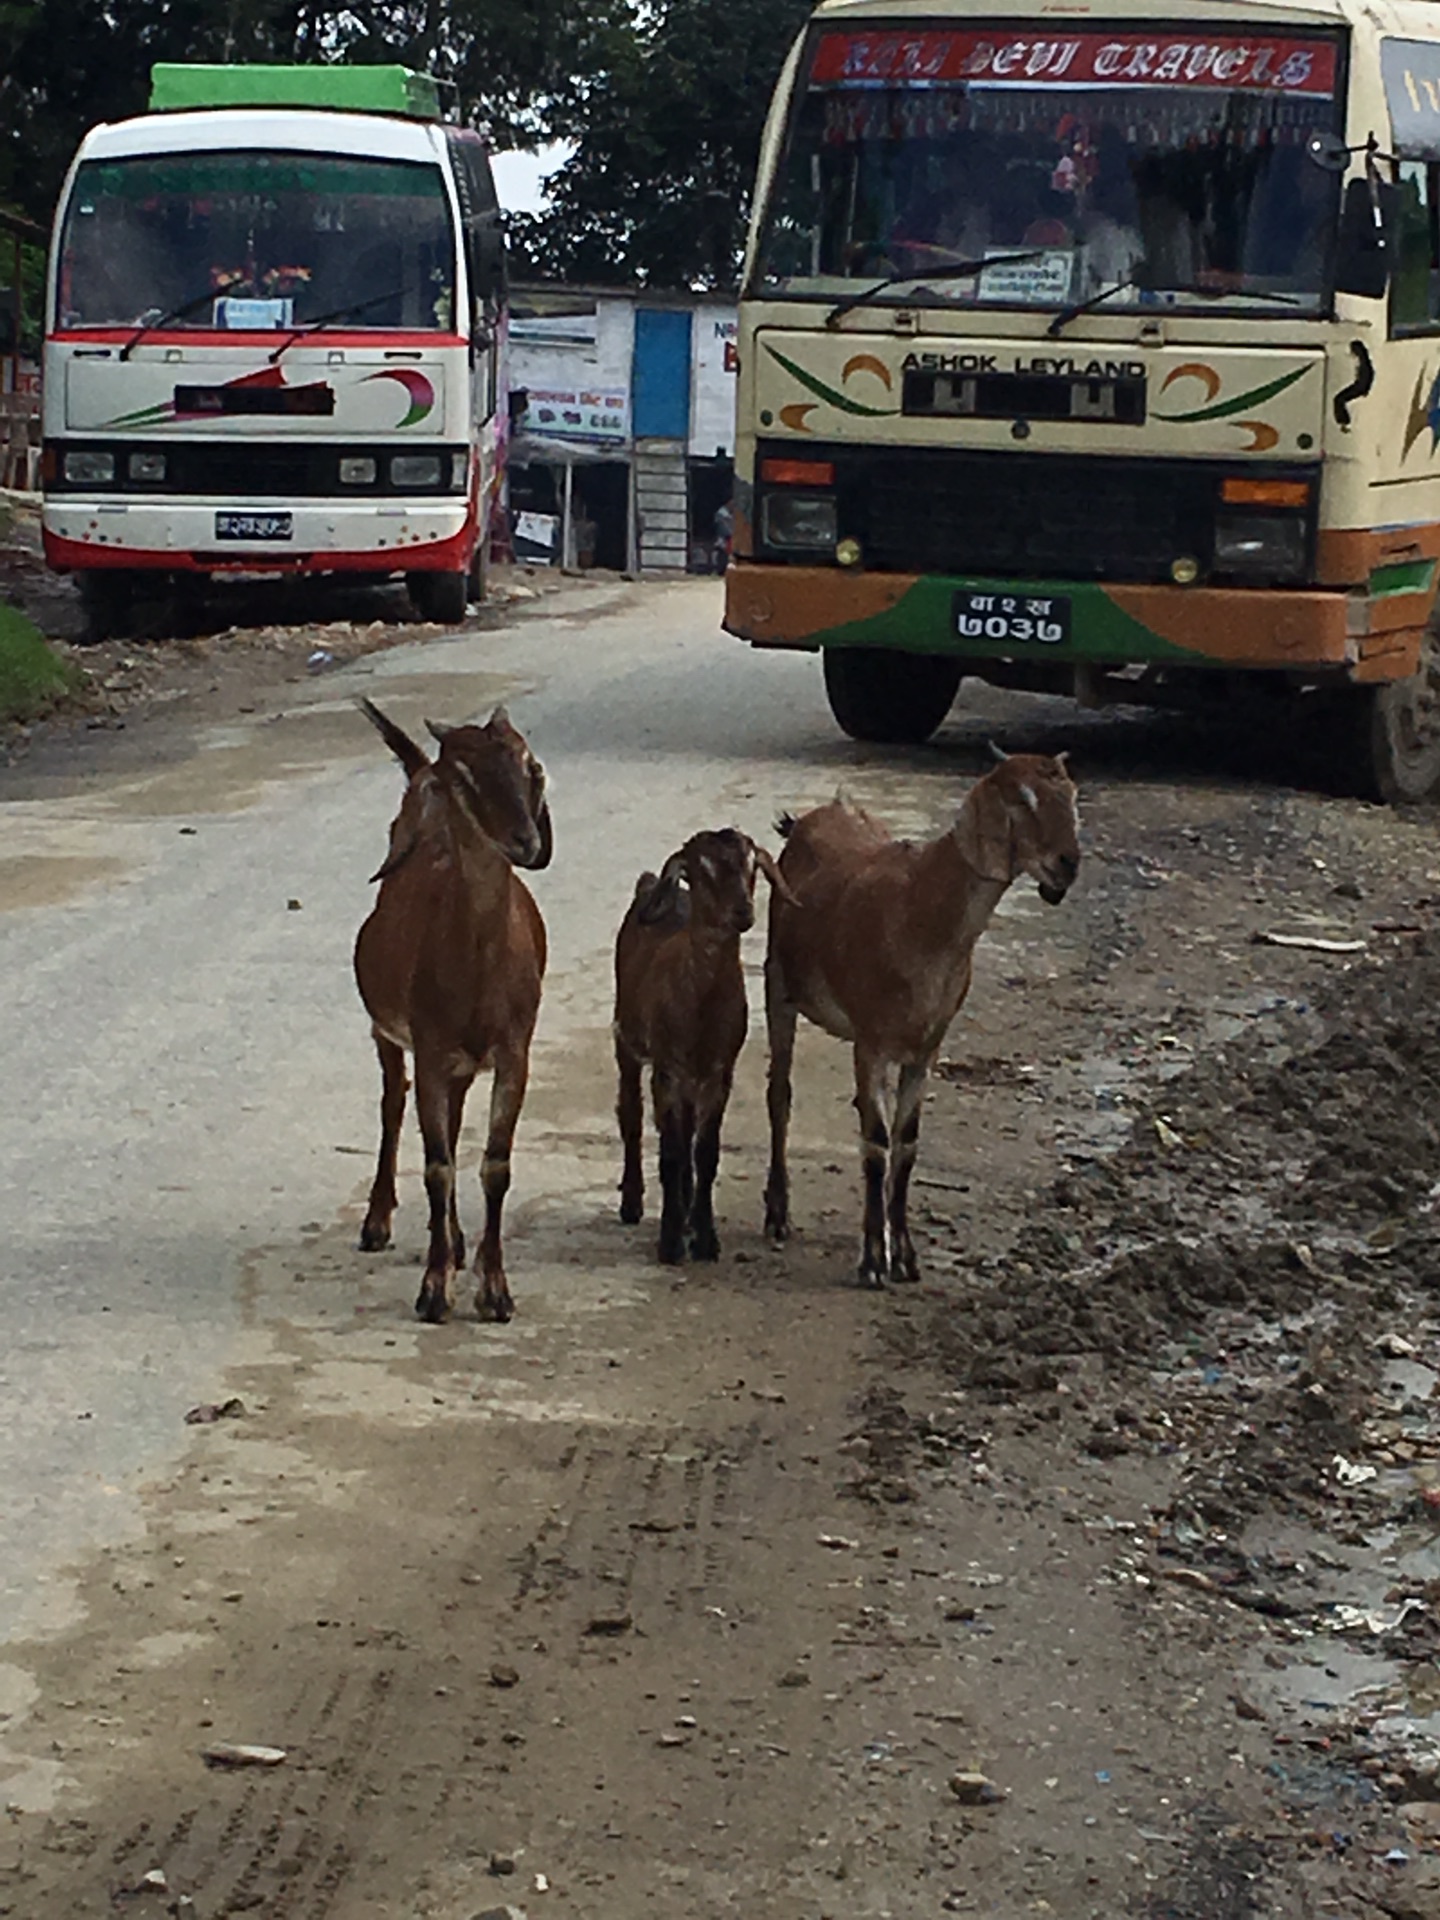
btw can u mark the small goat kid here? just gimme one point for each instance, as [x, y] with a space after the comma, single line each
[449, 965]
[879, 952]
[680, 1005]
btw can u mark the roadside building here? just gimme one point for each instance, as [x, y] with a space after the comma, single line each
[622, 427]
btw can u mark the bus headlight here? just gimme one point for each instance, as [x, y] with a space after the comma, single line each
[358, 470]
[798, 521]
[1272, 547]
[89, 467]
[415, 470]
[146, 466]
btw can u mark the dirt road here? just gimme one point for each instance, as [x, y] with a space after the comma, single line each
[1053, 1586]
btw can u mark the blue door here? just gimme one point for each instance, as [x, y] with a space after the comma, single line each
[662, 375]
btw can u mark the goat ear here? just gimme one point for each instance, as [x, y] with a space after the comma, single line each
[438, 730]
[983, 833]
[499, 720]
[547, 838]
[664, 896]
[770, 868]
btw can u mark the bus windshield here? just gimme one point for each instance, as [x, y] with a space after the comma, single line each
[256, 240]
[1140, 168]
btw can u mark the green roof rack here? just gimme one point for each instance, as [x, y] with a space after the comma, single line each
[176, 88]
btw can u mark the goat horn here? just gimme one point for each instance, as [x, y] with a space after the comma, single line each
[500, 717]
[437, 729]
[771, 870]
[1061, 760]
[998, 752]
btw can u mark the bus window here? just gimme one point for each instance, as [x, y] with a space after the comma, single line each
[1415, 285]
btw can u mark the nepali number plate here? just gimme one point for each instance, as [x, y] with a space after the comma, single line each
[1010, 619]
[254, 526]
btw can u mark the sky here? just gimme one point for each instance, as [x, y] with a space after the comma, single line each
[520, 177]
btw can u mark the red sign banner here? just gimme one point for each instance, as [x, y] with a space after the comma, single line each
[1254, 63]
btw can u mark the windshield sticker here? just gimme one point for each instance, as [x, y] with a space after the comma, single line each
[1046, 279]
[1424, 413]
[1264, 63]
[1411, 71]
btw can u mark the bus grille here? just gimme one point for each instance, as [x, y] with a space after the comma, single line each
[1027, 516]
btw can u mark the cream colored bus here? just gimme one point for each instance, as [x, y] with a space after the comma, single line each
[1097, 350]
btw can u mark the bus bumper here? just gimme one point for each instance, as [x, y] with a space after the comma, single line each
[1369, 633]
[416, 536]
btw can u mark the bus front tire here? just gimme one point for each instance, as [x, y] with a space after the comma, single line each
[107, 598]
[892, 698]
[1400, 733]
[442, 597]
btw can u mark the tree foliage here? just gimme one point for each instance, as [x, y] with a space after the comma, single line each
[664, 99]
[658, 188]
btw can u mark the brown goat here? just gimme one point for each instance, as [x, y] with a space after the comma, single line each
[449, 966]
[879, 953]
[680, 1005]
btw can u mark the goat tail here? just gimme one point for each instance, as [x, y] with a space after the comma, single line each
[784, 825]
[411, 757]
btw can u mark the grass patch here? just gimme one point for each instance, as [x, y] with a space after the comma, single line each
[32, 678]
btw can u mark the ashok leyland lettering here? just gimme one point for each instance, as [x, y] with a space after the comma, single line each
[276, 311]
[1100, 354]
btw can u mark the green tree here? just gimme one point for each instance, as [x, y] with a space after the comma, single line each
[658, 188]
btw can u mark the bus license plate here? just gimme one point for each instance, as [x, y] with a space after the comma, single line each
[254, 526]
[1013, 619]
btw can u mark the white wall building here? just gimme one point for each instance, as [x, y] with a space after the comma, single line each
[623, 407]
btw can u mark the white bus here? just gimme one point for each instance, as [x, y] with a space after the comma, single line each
[1097, 350]
[274, 338]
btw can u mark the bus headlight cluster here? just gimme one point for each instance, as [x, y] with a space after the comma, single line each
[415, 470]
[1270, 547]
[358, 470]
[89, 467]
[799, 522]
[148, 467]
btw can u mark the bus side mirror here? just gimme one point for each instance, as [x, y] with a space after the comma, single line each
[1367, 227]
[488, 257]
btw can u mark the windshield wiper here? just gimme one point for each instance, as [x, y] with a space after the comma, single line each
[346, 312]
[1239, 293]
[182, 312]
[1077, 307]
[963, 270]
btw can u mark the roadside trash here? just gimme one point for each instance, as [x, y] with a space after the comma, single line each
[502, 1676]
[501, 1864]
[320, 659]
[1167, 1136]
[1310, 942]
[1395, 1346]
[214, 1410]
[292, 906]
[1353, 1473]
[542, 1885]
[1102, 1777]
[1356, 1620]
[153, 1882]
[1397, 1857]
[974, 1789]
[838, 1542]
[223, 1753]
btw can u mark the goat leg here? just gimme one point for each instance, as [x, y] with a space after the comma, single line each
[375, 1234]
[458, 1091]
[507, 1096]
[904, 1265]
[675, 1151]
[432, 1099]
[704, 1241]
[781, 1017]
[630, 1112]
[874, 1147]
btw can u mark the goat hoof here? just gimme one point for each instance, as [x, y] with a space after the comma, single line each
[495, 1307]
[374, 1239]
[705, 1246]
[872, 1276]
[905, 1272]
[777, 1232]
[671, 1252]
[632, 1212]
[433, 1305]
